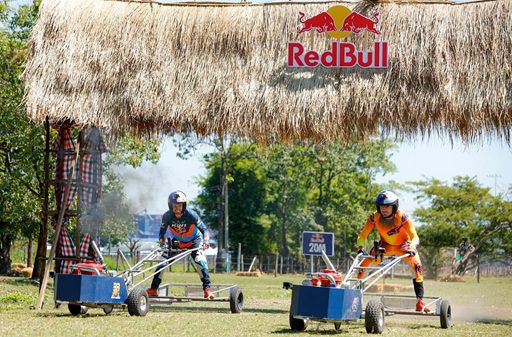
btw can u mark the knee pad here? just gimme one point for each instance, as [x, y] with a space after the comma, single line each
[200, 259]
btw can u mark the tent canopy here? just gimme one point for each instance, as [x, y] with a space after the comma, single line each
[214, 69]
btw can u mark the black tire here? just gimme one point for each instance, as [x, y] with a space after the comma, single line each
[446, 314]
[108, 309]
[374, 317]
[138, 302]
[337, 326]
[298, 324]
[77, 309]
[236, 300]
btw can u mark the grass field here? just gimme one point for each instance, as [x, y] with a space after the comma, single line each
[483, 309]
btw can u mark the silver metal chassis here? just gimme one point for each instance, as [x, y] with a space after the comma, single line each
[133, 273]
[387, 263]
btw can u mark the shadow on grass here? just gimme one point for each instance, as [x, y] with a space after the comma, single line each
[350, 327]
[216, 309]
[317, 328]
[310, 332]
[421, 326]
[87, 315]
[19, 281]
[495, 321]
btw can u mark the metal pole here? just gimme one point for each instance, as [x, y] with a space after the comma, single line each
[252, 263]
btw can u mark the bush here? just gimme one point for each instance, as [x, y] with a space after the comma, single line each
[16, 298]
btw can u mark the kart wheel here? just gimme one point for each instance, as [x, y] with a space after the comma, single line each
[337, 326]
[298, 324]
[236, 300]
[445, 314]
[374, 317]
[77, 309]
[138, 302]
[108, 309]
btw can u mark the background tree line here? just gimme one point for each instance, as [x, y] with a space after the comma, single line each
[276, 192]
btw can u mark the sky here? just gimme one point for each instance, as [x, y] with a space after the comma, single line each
[147, 187]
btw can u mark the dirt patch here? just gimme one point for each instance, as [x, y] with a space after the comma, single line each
[451, 278]
[385, 288]
[249, 273]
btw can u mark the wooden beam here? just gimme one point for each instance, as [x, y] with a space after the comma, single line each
[44, 283]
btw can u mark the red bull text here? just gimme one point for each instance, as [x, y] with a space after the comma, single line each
[339, 22]
[341, 55]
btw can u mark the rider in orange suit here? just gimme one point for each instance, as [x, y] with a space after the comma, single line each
[398, 237]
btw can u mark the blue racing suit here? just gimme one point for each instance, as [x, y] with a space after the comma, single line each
[189, 231]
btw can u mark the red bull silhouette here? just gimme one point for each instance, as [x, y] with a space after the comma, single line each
[322, 22]
[355, 22]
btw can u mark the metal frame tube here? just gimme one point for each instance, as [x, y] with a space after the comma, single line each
[134, 271]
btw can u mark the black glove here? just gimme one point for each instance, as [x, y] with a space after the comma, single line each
[360, 250]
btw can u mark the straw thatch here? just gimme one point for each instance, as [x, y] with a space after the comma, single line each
[216, 69]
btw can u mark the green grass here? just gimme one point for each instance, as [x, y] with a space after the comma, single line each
[483, 309]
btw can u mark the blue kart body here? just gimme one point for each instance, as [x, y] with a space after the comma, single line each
[83, 289]
[326, 303]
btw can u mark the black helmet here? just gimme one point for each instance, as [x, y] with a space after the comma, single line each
[177, 197]
[387, 198]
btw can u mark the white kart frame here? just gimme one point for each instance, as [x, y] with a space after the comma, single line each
[387, 263]
[174, 255]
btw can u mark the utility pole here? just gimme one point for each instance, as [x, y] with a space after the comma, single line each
[495, 176]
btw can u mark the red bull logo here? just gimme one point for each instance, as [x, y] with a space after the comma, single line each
[339, 22]
[317, 238]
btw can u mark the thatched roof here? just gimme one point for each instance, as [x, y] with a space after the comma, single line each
[215, 69]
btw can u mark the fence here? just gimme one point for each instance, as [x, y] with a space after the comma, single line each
[278, 264]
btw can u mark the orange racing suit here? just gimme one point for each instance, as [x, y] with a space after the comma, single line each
[394, 232]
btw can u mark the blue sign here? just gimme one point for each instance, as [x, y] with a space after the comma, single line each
[313, 243]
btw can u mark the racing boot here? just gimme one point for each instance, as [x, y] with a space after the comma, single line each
[208, 294]
[418, 290]
[152, 292]
[420, 306]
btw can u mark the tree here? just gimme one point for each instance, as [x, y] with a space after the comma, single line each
[21, 144]
[223, 144]
[245, 194]
[279, 191]
[463, 210]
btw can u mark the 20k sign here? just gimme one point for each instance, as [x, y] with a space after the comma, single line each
[313, 243]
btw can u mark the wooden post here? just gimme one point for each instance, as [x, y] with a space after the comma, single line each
[477, 268]
[277, 265]
[238, 258]
[42, 290]
[79, 193]
[43, 229]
